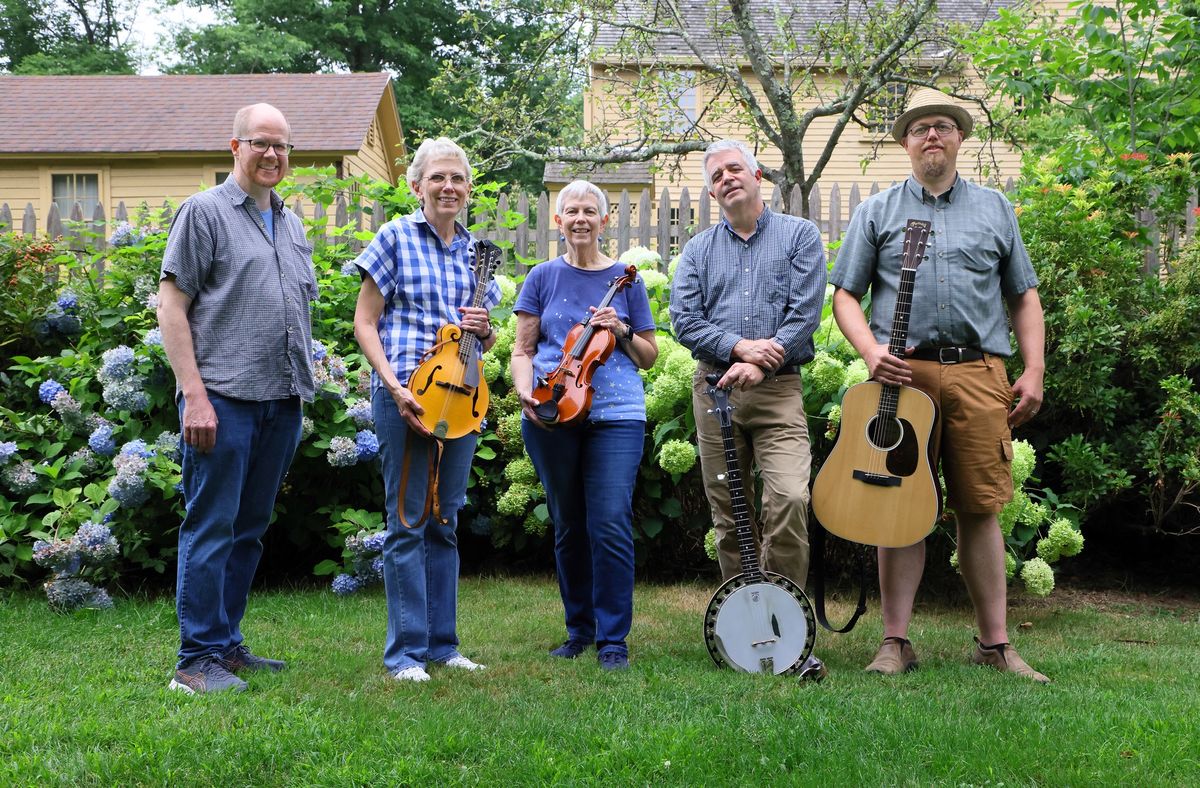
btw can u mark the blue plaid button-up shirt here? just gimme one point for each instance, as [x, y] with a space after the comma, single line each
[423, 281]
[974, 258]
[768, 286]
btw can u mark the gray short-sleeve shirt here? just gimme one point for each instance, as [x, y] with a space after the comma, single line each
[250, 294]
[974, 259]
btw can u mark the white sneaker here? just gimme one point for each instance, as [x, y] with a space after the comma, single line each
[411, 673]
[459, 661]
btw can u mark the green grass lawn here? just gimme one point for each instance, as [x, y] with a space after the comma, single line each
[84, 701]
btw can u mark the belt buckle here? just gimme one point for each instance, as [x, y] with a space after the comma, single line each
[942, 359]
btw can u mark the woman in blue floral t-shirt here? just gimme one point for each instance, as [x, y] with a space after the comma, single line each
[588, 469]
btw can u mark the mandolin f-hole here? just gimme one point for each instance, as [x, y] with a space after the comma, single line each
[428, 380]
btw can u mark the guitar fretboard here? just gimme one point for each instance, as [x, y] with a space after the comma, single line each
[915, 235]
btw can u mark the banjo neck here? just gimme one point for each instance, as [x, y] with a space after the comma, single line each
[737, 494]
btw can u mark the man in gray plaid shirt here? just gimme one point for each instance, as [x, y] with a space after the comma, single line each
[234, 294]
[746, 300]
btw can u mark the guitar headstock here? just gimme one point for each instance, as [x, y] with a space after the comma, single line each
[720, 398]
[487, 260]
[916, 237]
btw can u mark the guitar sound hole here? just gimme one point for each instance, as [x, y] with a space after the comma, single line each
[884, 434]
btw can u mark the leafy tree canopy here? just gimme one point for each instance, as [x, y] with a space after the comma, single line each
[66, 36]
[1128, 71]
[443, 54]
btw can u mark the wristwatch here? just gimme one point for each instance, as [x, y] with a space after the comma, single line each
[628, 332]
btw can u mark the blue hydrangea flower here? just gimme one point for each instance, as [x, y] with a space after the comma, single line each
[167, 444]
[377, 566]
[349, 268]
[101, 441]
[361, 412]
[67, 301]
[125, 235]
[137, 447]
[117, 364]
[20, 478]
[126, 395]
[343, 452]
[95, 543]
[337, 367]
[374, 542]
[129, 487]
[72, 593]
[60, 556]
[318, 351]
[368, 445]
[153, 338]
[345, 585]
[50, 389]
[7, 450]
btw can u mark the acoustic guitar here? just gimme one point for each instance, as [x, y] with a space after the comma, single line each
[449, 382]
[756, 622]
[877, 486]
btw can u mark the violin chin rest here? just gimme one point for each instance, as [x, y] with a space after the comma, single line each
[547, 411]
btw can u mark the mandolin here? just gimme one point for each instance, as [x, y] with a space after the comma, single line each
[565, 395]
[877, 486]
[756, 622]
[449, 382]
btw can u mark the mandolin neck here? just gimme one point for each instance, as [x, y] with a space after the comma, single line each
[468, 341]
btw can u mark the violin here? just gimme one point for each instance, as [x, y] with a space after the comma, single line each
[564, 396]
[449, 381]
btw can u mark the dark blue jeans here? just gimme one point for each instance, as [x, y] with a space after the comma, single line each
[230, 495]
[589, 472]
[420, 563]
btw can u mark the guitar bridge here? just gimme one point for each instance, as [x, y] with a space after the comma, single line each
[879, 479]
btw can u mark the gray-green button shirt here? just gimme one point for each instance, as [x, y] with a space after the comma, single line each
[974, 259]
[250, 294]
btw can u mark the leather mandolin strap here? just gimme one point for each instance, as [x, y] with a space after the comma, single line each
[432, 503]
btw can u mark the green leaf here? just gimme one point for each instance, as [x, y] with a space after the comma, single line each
[671, 508]
[327, 567]
[485, 453]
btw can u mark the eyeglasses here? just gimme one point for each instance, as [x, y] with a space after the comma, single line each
[260, 146]
[438, 178]
[942, 129]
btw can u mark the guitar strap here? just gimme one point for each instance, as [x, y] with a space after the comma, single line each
[816, 533]
[432, 504]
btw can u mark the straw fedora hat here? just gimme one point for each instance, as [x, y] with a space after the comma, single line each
[928, 101]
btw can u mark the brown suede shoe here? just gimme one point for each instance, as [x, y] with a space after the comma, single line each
[1004, 658]
[895, 656]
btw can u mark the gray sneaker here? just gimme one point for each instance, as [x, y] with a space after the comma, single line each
[240, 658]
[204, 675]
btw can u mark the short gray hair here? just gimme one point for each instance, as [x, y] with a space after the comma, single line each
[581, 188]
[724, 145]
[441, 148]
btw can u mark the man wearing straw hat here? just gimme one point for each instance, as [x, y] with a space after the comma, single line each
[975, 264]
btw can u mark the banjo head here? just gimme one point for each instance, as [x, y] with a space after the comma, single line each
[759, 625]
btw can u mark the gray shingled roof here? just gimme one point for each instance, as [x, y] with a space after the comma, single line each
[184, 114]
[629, 172]
[708, 22]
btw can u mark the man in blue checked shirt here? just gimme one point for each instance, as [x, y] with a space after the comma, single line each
[236, 284]
[975, 266]
[416, 277]
[746, 300]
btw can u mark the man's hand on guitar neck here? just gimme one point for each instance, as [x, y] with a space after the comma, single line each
[742, 375]
[886, 368]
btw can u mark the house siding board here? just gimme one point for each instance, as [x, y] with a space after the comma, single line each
[19, 186]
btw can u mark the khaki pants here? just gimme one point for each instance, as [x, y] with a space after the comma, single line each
[770, 431]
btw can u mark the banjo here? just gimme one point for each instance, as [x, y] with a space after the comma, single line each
[756, 622]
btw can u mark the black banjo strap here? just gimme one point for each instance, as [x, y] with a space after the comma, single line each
[816, 533]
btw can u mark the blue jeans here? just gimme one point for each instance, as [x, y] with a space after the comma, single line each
[589, 472]
[229, 495]
[420, 563]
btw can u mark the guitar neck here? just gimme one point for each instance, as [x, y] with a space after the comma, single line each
[890, 396]
[737, 500]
